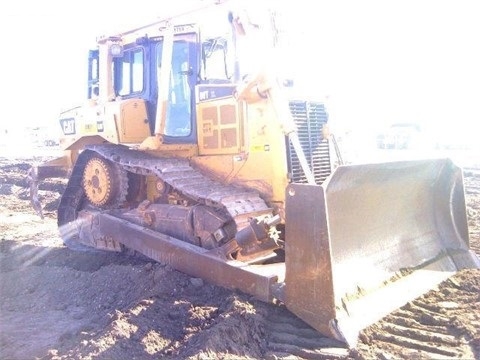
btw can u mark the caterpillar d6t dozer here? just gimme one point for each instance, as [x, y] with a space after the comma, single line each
[192, 152]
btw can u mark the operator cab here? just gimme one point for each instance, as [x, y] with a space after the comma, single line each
[136, 67]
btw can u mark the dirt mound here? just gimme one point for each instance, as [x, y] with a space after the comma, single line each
[59, 304]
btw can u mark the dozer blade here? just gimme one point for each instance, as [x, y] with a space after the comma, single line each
[372, 238]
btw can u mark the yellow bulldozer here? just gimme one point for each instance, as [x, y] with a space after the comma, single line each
[192, 151]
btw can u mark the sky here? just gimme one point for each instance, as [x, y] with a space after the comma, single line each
[376, 62]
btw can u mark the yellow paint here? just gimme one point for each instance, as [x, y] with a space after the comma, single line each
[259, 148]
[260, 163]
[240, 140]
[155, 146]
[152, 191]
[132, 123]
[220, 126]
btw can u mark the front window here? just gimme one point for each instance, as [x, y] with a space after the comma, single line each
[217, 61]
[178, 122]
[129, 72]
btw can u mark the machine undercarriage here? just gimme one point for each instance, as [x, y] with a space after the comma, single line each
[185, 204]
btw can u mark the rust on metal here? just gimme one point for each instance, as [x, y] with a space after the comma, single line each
[195, 261]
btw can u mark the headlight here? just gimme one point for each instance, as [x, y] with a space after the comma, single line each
[116, 50]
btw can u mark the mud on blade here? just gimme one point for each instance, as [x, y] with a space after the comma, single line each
[372, 238]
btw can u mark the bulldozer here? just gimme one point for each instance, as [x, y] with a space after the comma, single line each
[195, 153]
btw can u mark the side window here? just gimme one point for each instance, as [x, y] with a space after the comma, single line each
[93, 69]
[129, 72]
[137, 71]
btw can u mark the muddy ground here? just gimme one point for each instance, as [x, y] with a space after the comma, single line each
[60, 304]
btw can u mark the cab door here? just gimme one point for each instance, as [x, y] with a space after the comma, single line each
[180, 124]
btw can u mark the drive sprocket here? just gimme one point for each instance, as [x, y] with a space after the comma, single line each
[105, 183]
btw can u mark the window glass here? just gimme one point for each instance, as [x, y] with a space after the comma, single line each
[130, 78]
[178, 121]
[218, 60]
[137, 71]
[93, 68]
[125, 77]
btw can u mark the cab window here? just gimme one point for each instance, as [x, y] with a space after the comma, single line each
[217, 61]
[178, 121]
[128, 71]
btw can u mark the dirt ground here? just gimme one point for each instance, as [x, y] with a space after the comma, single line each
[60, 304]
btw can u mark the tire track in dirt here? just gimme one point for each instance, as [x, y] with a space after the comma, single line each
[472, 195]
[445, 322]
[287, 334]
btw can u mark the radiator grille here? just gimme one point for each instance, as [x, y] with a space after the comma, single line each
[310, 117]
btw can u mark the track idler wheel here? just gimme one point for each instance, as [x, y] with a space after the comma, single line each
[105, 183]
